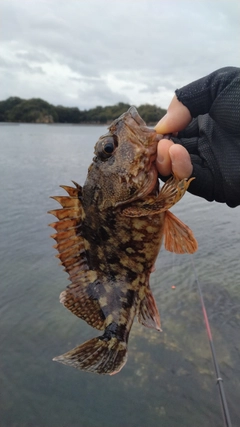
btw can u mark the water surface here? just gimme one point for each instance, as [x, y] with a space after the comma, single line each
[169, 379]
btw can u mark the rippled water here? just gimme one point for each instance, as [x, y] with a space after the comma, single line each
[169, 379]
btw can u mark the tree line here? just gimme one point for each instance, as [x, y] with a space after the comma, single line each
[36, 110]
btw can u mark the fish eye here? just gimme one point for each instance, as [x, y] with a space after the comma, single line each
[105, 147]
[108, 147]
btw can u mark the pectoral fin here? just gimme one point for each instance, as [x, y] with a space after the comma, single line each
[178, 237]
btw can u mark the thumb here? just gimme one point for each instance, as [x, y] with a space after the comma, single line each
[177, 118]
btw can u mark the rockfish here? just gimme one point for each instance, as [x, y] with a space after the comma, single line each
[108, 237]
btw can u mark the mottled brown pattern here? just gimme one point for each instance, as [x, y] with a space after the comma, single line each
[108, 237]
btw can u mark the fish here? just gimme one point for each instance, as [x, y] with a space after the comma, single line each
[109, 233]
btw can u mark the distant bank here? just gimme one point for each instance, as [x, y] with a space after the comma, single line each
[36, 110]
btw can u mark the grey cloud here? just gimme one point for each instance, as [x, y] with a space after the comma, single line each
[158, 87]
[33, 56]
[100, 94]
[127, 87]
[17, 66]
[33, 70]
[86, 79]
[158, 45]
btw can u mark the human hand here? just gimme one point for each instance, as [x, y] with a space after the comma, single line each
[173, 158]
[206, 115]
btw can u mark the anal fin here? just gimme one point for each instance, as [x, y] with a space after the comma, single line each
[178, 237]
[148, 313]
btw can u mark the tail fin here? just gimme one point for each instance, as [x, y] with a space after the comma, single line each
[97, 355]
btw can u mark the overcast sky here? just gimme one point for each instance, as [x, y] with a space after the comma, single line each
[98, 52]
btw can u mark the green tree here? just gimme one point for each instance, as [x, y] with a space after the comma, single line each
[32, 111]
[151, 113]
[6, 106]
[68, 115]
[37, 110]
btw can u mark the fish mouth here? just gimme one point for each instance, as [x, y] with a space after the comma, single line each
[149, 139]
[133, 113]
[137, 128]
[144, 178]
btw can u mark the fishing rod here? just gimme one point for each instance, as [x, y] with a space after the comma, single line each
[226, 416]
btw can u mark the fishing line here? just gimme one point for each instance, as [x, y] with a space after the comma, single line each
[224, 405]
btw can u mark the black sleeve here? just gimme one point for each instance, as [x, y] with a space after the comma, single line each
[217, 94]
[213, 137]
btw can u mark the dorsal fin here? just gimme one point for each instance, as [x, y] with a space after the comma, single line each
[72, 254]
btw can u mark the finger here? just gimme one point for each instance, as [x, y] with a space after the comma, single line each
[176, 119]
[180, 161]
[163, 161]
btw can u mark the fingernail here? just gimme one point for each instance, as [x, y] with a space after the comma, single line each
[172, 157]
[160, 159]
[160, 122]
